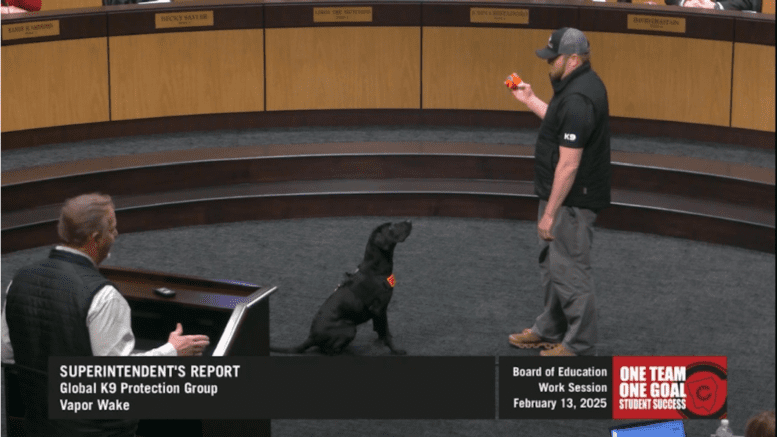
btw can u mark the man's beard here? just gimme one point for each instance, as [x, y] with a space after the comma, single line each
[559, 73]
[557, 77]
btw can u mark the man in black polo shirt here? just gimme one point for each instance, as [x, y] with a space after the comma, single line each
[572, 180]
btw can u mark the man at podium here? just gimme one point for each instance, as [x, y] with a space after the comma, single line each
[64, 306]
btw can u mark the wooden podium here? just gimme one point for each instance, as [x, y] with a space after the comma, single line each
[202, 306]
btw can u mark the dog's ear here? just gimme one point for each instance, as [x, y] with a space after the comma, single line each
[382, 241]
[380, 236]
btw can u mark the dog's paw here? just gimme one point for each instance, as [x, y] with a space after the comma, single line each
[399, 352]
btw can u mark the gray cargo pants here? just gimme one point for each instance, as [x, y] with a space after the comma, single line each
[569, 316]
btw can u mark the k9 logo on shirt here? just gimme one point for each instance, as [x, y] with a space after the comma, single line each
[570, 137]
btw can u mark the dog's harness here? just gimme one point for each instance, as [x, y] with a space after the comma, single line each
[391, 280]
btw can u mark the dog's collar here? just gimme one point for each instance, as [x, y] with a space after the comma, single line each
[391, 280]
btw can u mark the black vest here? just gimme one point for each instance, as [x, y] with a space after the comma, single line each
[46, 310]
[591, 188]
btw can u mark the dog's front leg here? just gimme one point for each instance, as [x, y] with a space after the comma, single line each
[380, 325]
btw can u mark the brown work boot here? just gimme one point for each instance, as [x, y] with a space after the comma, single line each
[529, 340]
[558, 351]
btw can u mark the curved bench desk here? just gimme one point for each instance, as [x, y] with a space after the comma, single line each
[682, 197]
[132, 70]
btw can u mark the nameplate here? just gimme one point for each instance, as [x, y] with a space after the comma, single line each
[495, 15]
[356, 14]
[184, 19]
[656, 23]
[34, 29]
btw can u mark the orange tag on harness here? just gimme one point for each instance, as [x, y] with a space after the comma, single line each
[391, 280]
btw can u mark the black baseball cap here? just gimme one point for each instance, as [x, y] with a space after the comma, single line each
[565, 41]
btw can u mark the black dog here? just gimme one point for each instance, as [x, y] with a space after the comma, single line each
[364, 295]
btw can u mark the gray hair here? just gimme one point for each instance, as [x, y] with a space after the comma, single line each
[82, 216]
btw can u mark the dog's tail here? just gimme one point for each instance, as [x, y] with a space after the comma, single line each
[294, 350]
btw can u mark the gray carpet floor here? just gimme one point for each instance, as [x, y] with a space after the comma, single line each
[463, 285]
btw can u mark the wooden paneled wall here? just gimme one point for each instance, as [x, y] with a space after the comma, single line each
[465, 68]
[54, 83]
[186, 73]
[753, 90]
[664, 78]
[343, 67]
[440, 61]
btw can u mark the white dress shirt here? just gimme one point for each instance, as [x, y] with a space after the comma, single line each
[108, 320]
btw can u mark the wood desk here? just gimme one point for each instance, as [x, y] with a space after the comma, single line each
[706, 75]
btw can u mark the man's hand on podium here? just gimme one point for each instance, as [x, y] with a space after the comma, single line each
[188, 345]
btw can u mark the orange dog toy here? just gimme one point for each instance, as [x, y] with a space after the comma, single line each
[513, 81]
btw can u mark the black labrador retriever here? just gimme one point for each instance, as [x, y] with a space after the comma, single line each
[364, 295]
